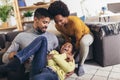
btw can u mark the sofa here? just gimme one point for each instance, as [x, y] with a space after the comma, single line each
[106, 45]
[6, 39]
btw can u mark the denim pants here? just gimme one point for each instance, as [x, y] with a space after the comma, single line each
[38, 48]
[46, 74]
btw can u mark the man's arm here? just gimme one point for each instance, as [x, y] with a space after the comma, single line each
[11, 51]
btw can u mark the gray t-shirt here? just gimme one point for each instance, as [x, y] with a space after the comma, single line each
[23, 39]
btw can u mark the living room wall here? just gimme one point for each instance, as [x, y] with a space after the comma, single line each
[87, 7]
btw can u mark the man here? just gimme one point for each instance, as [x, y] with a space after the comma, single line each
[23, 39]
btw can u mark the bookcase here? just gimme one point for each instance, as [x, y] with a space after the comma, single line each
[19, 15]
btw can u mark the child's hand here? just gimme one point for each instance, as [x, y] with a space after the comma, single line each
[69, 74]
[69, 58]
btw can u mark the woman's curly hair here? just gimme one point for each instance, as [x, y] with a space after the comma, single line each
[58, 7]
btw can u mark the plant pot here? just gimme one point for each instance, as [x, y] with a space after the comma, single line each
[28, 18]
[5, 24]
[25, 18]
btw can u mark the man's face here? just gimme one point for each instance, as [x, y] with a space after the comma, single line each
[41, 24]
[66, 48]
[60, 20]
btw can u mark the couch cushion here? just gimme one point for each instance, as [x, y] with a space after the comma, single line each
[11, 35]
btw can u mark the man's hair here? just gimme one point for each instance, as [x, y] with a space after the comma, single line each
[58, 7]
[41, 12]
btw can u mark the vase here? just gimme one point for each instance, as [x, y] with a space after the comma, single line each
[5, 24]
[83, 18]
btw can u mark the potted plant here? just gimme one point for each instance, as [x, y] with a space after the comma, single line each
[4, 14]
[28, 16]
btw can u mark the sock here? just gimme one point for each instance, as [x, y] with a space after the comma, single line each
[80, 70]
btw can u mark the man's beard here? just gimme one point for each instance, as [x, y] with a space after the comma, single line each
[40, 31]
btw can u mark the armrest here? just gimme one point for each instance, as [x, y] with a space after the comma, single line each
[11, 35]
[1, 54]
[2, 41]
[2, 51]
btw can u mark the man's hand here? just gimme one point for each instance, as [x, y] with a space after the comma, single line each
[50, 56]
[11, 55]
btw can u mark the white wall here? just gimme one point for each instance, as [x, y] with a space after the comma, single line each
[90, 7]
[74, 6]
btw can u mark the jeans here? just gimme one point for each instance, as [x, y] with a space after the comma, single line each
[46, 74]
[38, 48]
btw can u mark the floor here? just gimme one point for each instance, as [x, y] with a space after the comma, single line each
[96, 72]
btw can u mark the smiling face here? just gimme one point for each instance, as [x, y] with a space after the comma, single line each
[41, 24]
[66, 48]
[60, 20]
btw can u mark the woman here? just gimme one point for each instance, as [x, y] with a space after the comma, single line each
[59, 66]
[73, 29]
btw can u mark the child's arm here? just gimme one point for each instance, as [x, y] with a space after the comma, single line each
[63, 63]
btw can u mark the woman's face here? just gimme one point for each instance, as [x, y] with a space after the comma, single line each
[66, 48]
[60, 20]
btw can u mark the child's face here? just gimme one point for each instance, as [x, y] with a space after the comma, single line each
[66, 48]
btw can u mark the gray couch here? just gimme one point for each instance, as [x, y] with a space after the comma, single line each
[106, 45]
[6, 39]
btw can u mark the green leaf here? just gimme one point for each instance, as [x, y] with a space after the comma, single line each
[4, 12]
[28, 14]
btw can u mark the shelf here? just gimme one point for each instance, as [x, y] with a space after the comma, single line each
[27, 22]
[19, 10]
[34, 7]
[8, 28]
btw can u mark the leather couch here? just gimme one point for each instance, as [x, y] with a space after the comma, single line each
[106, 45]
[6, 39]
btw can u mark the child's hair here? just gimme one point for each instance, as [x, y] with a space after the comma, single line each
[58, 7]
